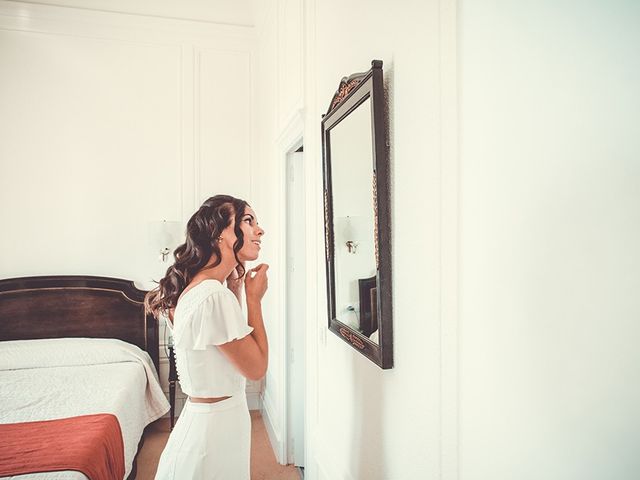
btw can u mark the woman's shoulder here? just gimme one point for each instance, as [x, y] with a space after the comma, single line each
[210, 315]
[196, 297]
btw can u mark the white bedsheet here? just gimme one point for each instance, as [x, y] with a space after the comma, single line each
[58, 378]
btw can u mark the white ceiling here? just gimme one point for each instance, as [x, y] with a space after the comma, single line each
[231, 12]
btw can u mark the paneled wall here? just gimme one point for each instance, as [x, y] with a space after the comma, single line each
[109, 122]
[279, 102]
[515, 220]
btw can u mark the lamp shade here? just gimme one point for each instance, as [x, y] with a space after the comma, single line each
[354, 228]
[164, 234]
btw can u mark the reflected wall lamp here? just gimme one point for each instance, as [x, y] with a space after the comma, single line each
[164, 236]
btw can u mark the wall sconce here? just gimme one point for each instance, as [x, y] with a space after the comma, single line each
[353, 230]
[164, 236]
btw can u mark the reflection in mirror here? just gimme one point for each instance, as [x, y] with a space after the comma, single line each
[353, 219]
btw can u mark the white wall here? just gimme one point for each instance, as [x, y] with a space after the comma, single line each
[550, 222]
[363, 422]
[110, 121]
[372, 423]
[515, 220]
[231, 12]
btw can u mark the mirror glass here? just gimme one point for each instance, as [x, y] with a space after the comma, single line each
[353, 221]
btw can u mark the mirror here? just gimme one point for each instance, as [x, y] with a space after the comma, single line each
[357, 219]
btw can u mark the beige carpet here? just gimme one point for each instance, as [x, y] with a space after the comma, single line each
[263, 461]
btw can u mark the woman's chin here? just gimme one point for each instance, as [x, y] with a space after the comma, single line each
[248, 257]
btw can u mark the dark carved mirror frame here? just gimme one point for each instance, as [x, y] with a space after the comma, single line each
[352, 92]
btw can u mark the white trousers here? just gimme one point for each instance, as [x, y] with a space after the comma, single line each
[210, 441]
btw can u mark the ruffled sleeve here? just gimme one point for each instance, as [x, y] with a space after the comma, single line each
[216, 320]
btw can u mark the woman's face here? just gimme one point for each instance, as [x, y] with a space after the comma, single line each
[252, 236]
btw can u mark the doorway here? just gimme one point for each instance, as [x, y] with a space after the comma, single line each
[295, 305]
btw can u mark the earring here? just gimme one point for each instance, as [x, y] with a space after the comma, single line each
[219, 239]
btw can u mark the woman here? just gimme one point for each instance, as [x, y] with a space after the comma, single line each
[215, 348]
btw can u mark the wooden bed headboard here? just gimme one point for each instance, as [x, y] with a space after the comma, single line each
[76, 306]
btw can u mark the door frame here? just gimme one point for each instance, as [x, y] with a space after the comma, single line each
[289, 140]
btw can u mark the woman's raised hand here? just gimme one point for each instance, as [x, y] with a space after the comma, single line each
[256, 282]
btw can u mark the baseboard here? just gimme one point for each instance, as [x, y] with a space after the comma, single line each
[327, 472]
[254, 401]
[272, 429]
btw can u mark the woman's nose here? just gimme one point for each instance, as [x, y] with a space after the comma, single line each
[260, 231]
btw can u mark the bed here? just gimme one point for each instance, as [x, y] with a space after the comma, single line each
[77, 347]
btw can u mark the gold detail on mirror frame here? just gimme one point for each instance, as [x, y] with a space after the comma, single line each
[345, 89]
[326, 224]
[353, 339]
[375, 216]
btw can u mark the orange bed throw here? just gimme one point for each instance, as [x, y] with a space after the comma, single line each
[90, 444]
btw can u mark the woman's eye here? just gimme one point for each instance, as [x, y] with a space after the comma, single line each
[247, 220]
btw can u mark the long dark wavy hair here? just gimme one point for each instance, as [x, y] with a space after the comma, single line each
[203, 229]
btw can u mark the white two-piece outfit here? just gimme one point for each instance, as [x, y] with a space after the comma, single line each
[210, 441]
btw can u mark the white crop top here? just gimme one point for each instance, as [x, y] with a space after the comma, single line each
[208, 315]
